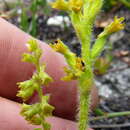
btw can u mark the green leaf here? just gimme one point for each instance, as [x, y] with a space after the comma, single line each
[24, 24]
[33, 6]
[33, 26]
[98, 47]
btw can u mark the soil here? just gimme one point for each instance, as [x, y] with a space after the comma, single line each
[114, 87]
[110, 105]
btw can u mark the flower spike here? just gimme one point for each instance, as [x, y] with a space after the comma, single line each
[35, 113]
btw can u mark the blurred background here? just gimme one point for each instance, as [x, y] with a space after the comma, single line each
[112, 69]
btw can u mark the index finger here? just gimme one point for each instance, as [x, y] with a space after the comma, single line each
[12, 45]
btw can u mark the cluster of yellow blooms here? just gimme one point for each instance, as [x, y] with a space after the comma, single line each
[71, 5]
[115, 26]
[78, 64]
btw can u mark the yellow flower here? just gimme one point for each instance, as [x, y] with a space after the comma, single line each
[80, 64]
[60, 4]
[71, 5]
[76, 73]
[115, 26]
[76, 5]
[59, 46]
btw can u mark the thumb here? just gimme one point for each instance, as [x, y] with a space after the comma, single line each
[12, 120]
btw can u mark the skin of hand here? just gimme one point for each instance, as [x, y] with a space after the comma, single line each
[63, 94]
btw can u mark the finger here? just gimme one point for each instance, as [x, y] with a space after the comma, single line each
[11, 68]
[11, 119]
[12, 45]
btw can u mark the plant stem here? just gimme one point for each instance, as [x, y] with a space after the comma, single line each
[110, 115]
[111, 126]
[40, 98]
[84, 111]
[85, 86]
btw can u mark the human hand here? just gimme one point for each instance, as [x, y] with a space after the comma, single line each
[63, 94]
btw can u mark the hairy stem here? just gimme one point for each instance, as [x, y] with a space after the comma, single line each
[84, 111]
[40, 94]
[85, 86]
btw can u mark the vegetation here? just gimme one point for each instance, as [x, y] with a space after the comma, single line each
[35, 7]
[82, 14]
[108, 4]
[35, 113]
